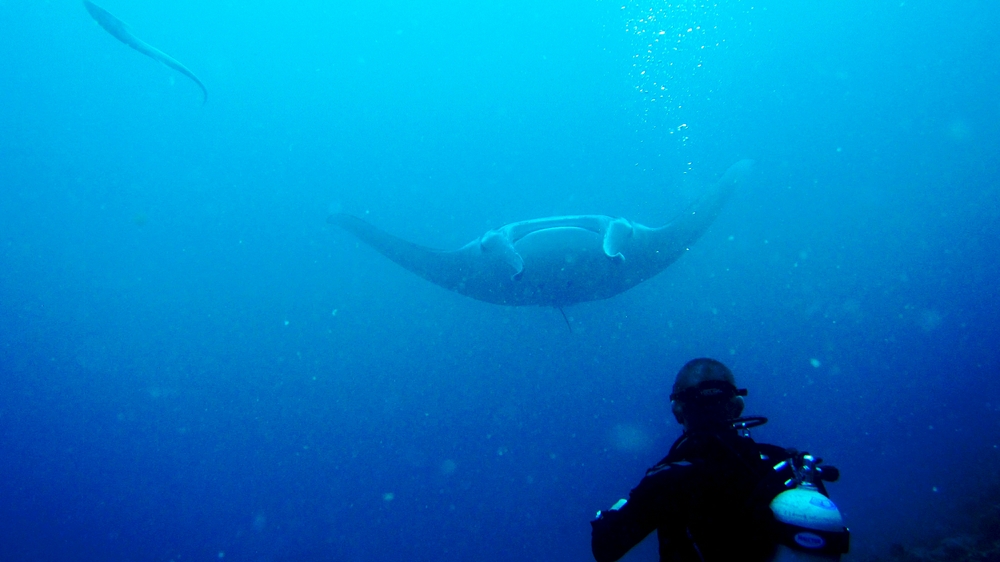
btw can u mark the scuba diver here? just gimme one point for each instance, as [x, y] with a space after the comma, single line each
[720, 496]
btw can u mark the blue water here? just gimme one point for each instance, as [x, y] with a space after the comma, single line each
[194, 366]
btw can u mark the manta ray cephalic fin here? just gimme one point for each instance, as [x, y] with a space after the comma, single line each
[615, 237]
[496, 242]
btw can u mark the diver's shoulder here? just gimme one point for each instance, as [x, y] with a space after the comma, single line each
[670, 468]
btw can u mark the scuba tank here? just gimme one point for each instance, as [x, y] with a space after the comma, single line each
[810, 526]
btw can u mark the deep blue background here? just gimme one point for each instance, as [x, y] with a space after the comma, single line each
[194, 366]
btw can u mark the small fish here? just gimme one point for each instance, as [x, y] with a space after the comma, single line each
[120, 30]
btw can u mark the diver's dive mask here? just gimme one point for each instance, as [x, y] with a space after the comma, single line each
[708, 391]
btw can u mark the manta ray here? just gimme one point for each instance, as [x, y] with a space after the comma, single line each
[555, 261]
[121, 31]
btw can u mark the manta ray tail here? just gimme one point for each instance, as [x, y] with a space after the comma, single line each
[566, 318]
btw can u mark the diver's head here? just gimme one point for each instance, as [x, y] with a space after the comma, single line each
[705, 395]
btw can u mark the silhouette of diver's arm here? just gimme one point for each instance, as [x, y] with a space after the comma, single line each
[617, 530]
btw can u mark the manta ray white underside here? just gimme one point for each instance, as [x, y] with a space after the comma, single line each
[555, 261]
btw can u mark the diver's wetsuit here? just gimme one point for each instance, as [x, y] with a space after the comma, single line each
[708, 500]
